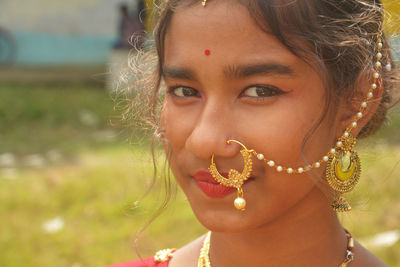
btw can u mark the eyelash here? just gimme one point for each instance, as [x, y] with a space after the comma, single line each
[270, 90]
[172, 92]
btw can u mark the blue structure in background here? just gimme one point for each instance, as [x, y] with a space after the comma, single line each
[35, 49]
[396, 51]
[46, 49]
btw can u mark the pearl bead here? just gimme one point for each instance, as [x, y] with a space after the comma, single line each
[354, 124]
[317, 164]
[240, 203]
[376, 75]
[370, 95]
[380, 45]
[378, 64]
[346, 134]
[279, 168]
[373, 86]
[271, 163]
[388, 67]
[333, 151]
[339, 143]
[300, 170]
[289, 170]
[364, 104]
[359, 115]
[325, 158]
[379, 55]
[260, 156]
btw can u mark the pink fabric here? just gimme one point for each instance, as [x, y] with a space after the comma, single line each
[147, 262]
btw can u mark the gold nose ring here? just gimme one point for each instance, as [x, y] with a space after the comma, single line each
[235, 179]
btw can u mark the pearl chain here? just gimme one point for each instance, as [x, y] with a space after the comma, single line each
[348, 130]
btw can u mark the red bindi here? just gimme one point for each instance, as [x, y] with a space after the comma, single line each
[207, 52]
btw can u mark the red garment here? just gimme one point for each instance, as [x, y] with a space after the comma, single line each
[147, 262]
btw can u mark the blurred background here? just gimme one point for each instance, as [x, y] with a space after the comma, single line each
[70, 175]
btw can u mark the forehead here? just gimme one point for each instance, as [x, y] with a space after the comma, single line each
[224, 27]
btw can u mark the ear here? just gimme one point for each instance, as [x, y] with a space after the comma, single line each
[351, 106]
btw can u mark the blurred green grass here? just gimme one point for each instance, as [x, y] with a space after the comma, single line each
[94, 185]
[38, 117]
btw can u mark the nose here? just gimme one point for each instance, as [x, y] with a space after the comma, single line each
[211, 132]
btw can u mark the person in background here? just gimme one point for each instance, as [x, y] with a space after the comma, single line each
[131, 27]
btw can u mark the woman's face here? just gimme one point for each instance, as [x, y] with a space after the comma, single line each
[249, 88]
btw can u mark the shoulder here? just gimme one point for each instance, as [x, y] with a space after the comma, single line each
[363, 257]
[161, 259]
[187, 255]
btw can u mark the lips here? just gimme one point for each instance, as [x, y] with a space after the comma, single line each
[210, 186]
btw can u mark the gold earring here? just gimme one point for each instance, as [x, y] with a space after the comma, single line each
[343, 171]
[235, 179]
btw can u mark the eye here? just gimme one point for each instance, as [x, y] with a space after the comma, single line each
[262, 91]
[181, 91]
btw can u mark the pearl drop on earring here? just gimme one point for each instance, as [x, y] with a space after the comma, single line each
[240, 203]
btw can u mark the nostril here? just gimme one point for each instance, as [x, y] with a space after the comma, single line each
[204, 143]
[209, 137]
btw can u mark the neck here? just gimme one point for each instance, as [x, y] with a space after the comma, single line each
[304, 236]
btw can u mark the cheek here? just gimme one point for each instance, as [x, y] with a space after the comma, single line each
[177, 124]
[279, 132]
[173, 137]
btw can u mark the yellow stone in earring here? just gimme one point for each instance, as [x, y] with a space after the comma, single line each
[235, 179]
[343, 172]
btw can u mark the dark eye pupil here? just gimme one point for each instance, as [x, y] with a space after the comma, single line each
[264, 92]
[188, 92]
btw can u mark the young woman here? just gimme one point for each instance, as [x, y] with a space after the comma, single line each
[264, 101]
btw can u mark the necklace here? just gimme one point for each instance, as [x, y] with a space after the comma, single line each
[204, 258]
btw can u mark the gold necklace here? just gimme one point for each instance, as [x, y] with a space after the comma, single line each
[204, 258]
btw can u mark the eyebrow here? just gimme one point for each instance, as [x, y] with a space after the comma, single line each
[243, 71]
[232, 71]
[178, 73]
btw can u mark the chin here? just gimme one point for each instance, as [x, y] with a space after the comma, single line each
[226, 218]
[227, 225]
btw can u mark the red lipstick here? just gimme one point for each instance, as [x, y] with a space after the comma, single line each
[210, 186]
